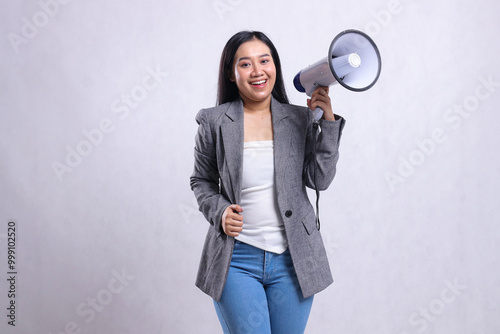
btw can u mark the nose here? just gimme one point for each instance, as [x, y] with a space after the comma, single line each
[257, 70]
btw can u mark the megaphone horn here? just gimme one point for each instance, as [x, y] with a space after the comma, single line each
[353, 61]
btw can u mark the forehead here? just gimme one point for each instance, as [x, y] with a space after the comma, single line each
[252, 48]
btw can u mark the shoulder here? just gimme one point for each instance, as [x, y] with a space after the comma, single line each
[213, 115]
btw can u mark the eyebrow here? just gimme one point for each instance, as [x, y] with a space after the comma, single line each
[247, 58]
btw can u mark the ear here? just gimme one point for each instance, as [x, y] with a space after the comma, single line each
[230, 76]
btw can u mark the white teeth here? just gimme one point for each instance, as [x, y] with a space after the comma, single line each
[259, 82]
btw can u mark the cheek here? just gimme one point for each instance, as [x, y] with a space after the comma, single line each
[235, 73]
[238, 75]
[238, 80]
[272, 71]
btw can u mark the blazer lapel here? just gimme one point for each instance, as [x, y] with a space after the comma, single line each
[282, 137]
[232, 136]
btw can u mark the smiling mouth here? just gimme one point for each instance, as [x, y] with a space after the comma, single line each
[258, 83]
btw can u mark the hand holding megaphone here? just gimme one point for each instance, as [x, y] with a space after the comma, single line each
[320, 100]
[353, 61]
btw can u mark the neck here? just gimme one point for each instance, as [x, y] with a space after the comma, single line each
[257, 106]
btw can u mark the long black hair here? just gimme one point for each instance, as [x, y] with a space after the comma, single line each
[227, 90]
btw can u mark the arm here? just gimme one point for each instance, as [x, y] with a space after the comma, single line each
[320, 168]
[219, 212]
[205, 178]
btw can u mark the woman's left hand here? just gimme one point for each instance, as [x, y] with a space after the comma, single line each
[321, 99]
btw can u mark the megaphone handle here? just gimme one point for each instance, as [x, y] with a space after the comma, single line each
[318, 113]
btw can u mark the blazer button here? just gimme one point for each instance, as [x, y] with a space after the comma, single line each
[288, 213]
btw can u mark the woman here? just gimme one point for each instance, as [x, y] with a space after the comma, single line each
[263, 258]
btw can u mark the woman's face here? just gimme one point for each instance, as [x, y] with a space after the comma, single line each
[254, 71]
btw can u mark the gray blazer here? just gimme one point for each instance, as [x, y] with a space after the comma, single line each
[217, 179]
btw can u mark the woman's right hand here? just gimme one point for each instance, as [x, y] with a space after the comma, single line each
[232, 221]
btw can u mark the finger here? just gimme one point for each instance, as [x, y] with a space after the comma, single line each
[236, 228]
[319, 103]
[321, 90]
[236, 207]
[233, 231]
[319, 96]
[323, 105]
[236, 223]
[325, 90]
[232, 226]
[232, 234]
[322, 98]
[235, 216]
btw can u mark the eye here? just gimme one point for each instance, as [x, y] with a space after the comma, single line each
[245, 64]
[265, 61]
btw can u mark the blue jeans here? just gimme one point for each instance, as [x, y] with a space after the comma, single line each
[262, 294]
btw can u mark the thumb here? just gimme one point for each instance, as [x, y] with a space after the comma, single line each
[236, 207]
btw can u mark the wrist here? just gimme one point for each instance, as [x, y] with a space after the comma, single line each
[329, 116]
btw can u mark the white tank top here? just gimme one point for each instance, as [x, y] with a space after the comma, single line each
[262, 225]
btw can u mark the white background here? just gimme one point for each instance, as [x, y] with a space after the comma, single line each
[410, 222]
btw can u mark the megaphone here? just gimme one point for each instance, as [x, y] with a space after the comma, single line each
[353, 61]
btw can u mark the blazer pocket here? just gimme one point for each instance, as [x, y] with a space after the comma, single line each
[309, 222]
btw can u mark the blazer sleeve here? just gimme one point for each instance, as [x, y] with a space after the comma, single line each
[205, 178]
[320, 163]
